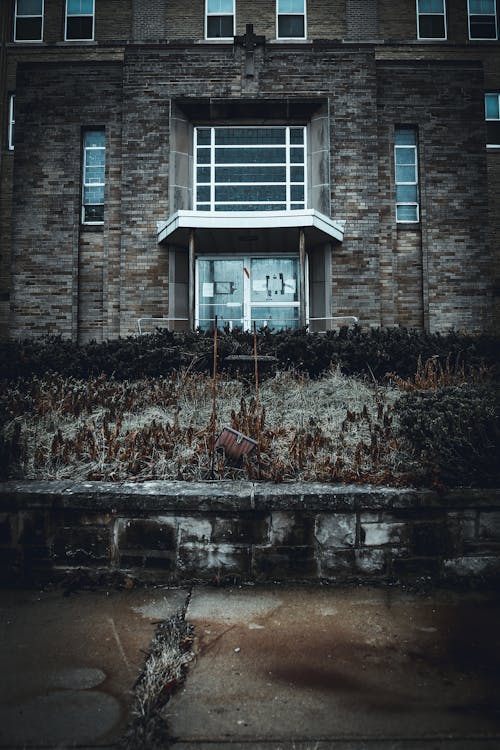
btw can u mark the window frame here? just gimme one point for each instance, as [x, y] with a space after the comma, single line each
[41, 16]
[443, 14]
[86, 132]
[278, 15]
[492, 119]
[482, 38]
[408, 147]
[208, 14]
[78, 15]
[11, 122]
[288, 204]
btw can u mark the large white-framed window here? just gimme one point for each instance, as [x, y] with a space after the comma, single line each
[12, 121]
[406, 172]
[431, 19]
[483, 22]
[291, 19]
[28, 21]
[492, 114]
[219, 19]
[80, 19]
[254, 168]
[93, 174]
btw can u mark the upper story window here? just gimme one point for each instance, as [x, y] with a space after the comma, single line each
[482, 19]
[28, 21]
[291, 19]
[492, 112]
[94, 160]
[219, 19]
[250, 168]
[406, 168]
[431, 19]
[79, 20]
[12, 120]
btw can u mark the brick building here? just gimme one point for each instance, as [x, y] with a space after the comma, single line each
[287, 162]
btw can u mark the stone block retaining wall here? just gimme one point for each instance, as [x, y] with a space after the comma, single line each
[173, 531]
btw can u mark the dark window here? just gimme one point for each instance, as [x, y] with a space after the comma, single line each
[28, 24]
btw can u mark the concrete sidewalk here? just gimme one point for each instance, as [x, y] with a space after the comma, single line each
[281, 667]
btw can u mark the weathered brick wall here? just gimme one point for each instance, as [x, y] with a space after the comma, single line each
[53, 105]
[362, 19]
[445, 102]
[171, 532]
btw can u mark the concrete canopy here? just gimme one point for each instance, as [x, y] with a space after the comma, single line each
[242, 231]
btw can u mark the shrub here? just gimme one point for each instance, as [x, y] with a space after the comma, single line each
[452, 434]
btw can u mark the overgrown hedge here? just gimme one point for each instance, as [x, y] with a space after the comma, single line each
[371, 353]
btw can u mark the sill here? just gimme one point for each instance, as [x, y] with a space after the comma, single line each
[431, 39]
[290, 40]
[493, 146]
[79, 41]
[97, 227]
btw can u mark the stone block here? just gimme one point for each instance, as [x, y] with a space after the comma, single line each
[489, 526]
[370, 561]
[82, 546]
[336, 530]
[147, 534]
[209, 560]
[382, 533]
[291, 529]
[337, 565]
[194, 529]
[430, 539]
[5, 528]
[472, 566]
[32, 528]
[284, 562]
[462, 527]
[249, 530]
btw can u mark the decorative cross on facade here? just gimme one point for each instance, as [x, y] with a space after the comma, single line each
[249, 41]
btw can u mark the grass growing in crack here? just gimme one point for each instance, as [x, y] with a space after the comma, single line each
[164, 670]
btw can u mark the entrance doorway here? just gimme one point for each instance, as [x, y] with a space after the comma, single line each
[246, 290]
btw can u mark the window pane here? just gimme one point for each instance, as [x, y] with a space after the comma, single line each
[79, 27]
[203, 155]
[95, 138]
[482, 6]
[94, 157]
[407, 213]
[406, 174]
[276, 318]
[297, 192]
[250, 155]
[250, 193]
[492, 102]
[250, 174]
[406, 193]
[483, 27]
[431, 27]
[93, 174]
[203, 136]
[203, 174]
[290, 6]
[291, 27]
[29, 29]
[296, 135]
[431, 6]
[29, 7]
[405, 155]
[405, 137]
[80, 7]
[297, 174]
[93, 195]
[93, 213]
[203, 194]
[249, 136]
[219, 27]
[297, 155]
[220, 6]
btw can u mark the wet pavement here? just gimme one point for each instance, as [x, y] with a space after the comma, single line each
[320, 668]
[281, 667]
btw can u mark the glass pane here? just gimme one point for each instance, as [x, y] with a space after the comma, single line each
[406, 174]
[95, 157]
[93, 213]
[95, 138]
[29, 7]
[203, 136]
[250, 155]
[297, 155]
[406, 213]
[296, 135]
[93, 195]
[274, 280]
[291, 27]
[297, 174]
[492, 102]
[203, 155]
[80, 7]
[79, 27]
[405, 155]
[431, 27]
[250, 193]
[29, 29]
[203, 193]
[297, 192]
[290, 6]
[250, 174]
[220, 6]
[482, 6]
[431, 6]
[276, 318]
[483, 27]
[406, 193]
[219, 27]
[250, 136]
[93, 174]
[203, 174]
[250, 206]
[220, 292]
[405, 137]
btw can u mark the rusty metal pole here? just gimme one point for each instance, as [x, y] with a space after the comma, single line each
[302, 271]
[256, 365]
[191, 281]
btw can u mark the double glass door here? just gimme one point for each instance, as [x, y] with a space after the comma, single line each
[241, 291]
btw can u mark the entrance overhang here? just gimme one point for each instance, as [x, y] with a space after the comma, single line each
[246, 231]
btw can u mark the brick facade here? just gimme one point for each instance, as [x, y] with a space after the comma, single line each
[362, 73]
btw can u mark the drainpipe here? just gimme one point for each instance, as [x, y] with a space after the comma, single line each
[191, 280]
[302, 270]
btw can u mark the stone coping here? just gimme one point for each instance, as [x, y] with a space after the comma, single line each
[230, 496]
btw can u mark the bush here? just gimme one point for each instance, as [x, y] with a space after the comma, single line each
[371, 353]
[452, 434]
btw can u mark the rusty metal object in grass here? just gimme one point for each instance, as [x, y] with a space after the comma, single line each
[235, 444]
